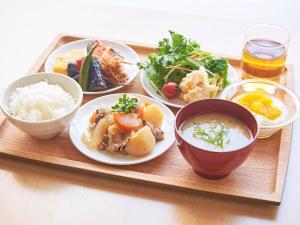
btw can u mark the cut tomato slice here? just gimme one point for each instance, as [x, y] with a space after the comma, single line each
[128, 121]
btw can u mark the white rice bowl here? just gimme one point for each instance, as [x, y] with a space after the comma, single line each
[40, 101]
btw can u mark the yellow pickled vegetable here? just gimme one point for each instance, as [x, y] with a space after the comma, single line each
[60, 67]
[61, 61]
[248, 99]
[264, 107]
[260, 103]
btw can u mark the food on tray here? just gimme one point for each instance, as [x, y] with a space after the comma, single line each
[40, 101]
[182, 69]
[267, 109]
[265, 62]
[141, 142]
[153, 114]
[196, 86]
[216, 132]
[63, 62]
[170, 89]
[130, 127]
[265, 51]
[98, 70]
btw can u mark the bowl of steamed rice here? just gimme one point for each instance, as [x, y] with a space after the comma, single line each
[42, 104]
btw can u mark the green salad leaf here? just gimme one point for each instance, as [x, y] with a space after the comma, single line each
[178, 56]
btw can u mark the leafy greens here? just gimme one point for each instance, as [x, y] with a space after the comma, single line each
[125, 104]
[178, 56]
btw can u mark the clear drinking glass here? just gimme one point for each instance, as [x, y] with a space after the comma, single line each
[265, 51]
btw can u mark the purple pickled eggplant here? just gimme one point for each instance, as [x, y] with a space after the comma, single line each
[96, 79]
[71, 69]
[76, 78]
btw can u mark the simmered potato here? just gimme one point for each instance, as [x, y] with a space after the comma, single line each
[141, 142]
[153, 114]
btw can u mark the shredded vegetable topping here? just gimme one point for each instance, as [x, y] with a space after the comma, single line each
[217, 134]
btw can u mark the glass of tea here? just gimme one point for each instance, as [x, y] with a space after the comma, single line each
[265, 51]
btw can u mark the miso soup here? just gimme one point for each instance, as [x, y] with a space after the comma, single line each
[216, 132]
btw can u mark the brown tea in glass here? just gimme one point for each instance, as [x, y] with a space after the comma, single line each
[265, 51]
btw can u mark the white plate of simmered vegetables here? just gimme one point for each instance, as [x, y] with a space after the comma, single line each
[182, 73]
[122, 129]
[99, 66]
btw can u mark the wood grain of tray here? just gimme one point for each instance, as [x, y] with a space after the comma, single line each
[261, 177]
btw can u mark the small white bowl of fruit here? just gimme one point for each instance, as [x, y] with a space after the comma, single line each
[273, 105]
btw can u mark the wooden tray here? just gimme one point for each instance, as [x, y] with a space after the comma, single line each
[261, 177]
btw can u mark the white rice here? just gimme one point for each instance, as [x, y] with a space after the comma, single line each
[40, 101]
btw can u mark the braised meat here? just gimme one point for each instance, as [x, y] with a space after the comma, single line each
[156, 131]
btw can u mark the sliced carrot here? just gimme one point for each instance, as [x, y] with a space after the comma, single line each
[128, 121]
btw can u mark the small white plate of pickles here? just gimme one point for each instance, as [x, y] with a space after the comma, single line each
[129, 55]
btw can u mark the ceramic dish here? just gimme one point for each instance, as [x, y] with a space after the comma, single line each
[48, 128]
[80, 122]
[214, 164]
[233, 77]
[128, 53]
[273, 89]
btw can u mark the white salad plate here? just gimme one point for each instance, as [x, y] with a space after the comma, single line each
[80, 122]
[232, 76]
[128, 53]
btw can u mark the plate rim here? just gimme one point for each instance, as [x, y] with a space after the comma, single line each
[136, 161]
[47, 66]
[144, 76]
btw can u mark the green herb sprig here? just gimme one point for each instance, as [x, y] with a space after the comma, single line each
[216, 135]
[125, 104]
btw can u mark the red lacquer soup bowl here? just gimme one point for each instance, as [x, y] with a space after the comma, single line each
[213, 164]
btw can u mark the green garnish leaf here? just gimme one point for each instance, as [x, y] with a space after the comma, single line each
[216, 134]
[125, 104]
